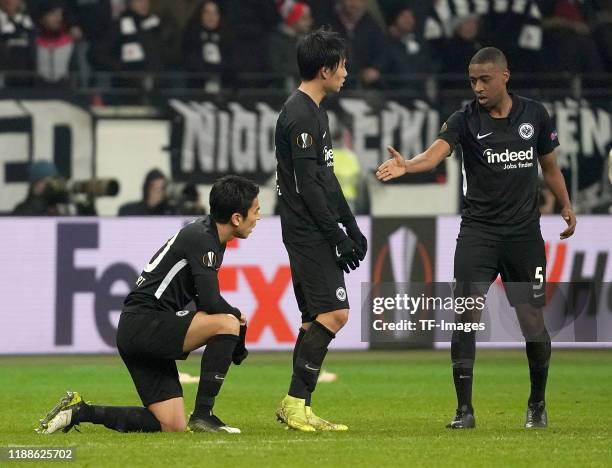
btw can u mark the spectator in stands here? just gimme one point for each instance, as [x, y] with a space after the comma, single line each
[366, 43]
[205, 47]
[135, 44]
[16, 42]
[282, 60]
[568, 44]
[54, 44]
[406, 54]
[459, 50]
[154, 197]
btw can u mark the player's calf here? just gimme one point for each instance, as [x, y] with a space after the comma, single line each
[309, 359]
[216, 360]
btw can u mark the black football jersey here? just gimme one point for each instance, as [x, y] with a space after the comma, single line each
[499, 166]
[302, 132]
[185, 268]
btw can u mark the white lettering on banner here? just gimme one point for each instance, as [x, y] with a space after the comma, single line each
[267, 126]
[417, 127]
[223, 146]
[364, 126]
[15, 150]
[199, 125]
[206, 142]
[596, 131]
[566, 117]
[244, 136]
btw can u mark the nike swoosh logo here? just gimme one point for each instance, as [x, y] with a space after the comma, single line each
[538, 295]
[324, 133]
[218, 377]
[338, 253]
[480, 137]
[310, 368]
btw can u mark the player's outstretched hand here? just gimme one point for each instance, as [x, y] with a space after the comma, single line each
[392, 168]
[570, 218]
[346, 257]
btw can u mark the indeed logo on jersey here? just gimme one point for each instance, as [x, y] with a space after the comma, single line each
[329, 156]
[510, 157]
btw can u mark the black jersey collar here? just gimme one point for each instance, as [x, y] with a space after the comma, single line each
[487, 123]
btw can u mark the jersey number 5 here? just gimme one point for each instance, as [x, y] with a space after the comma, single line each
[539, 276]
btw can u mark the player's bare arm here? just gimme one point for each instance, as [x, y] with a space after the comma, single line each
[555, 181]
[426, 161]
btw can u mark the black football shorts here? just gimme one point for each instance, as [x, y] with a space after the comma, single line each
[149, 342]
[318, 282]
[521, 264]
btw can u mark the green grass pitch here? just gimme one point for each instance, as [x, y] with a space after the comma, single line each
[395, 403]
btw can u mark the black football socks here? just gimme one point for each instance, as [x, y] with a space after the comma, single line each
[216, 360]
[538, 350]
[119, 418]
[463, 354]
[296, 350]
[309, 356]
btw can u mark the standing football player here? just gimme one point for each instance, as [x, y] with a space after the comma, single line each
[311, 205]
[154, 330]
[503, 137]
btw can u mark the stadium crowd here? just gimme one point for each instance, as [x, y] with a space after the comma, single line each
[251, 43]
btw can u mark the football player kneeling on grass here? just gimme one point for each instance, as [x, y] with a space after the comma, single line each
[154, 330]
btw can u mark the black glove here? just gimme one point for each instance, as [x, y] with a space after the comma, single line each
[240, 352]
[361, 243]
[345, 255]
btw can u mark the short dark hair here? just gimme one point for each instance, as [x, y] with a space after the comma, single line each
[231, 194]
[318, 49]
[489, 55]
